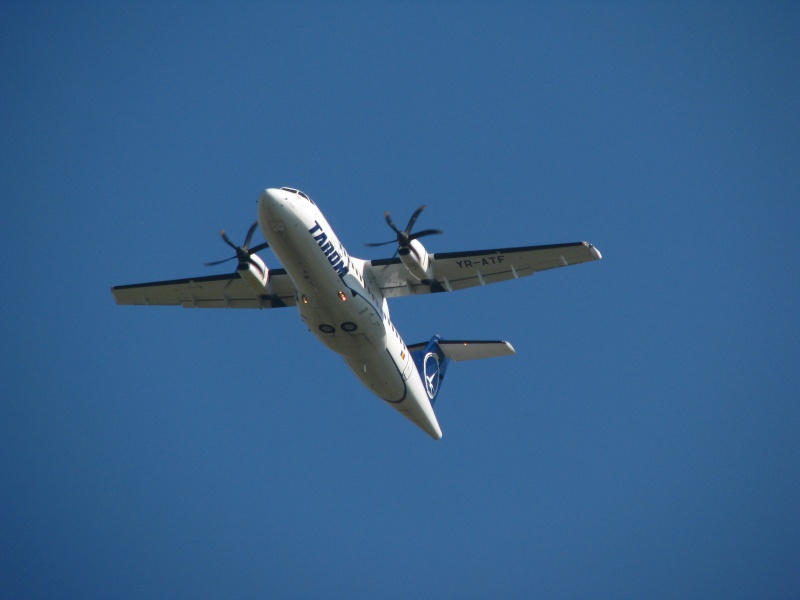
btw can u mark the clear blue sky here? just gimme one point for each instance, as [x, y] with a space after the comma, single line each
[644, 441]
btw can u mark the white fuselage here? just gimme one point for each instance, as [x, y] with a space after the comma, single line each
[341, 305]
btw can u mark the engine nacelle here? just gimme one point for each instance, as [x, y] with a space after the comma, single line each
[416, 260]
[255, 274]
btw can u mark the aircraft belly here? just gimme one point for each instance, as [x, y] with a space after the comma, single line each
[379, 374]
[349, 327]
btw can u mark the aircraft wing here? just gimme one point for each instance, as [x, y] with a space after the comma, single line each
[458, 270]
[216, 291]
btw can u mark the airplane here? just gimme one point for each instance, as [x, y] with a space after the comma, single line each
[343, 300]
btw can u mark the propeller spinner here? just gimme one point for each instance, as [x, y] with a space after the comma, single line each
[244, 251]
[405, 237]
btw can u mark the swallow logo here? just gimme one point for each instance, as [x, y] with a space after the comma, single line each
[430, 376]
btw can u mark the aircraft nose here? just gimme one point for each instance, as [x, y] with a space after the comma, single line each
[272, 205]
[271, 198]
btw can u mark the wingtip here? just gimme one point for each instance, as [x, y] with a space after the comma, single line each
[595, 252]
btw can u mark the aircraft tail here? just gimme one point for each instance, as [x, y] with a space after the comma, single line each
[433, 357]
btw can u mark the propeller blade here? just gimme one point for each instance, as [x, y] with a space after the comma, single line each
[389, 221]
[424, 232]
[404, 238]
[375, 245]
[250, 232]
[414, 218]
[242, 252]
[219, 262]
[258, 248]
[228, 240]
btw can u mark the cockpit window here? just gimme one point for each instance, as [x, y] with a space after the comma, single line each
[299, 193]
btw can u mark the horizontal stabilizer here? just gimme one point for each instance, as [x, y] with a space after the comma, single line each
[461, 350]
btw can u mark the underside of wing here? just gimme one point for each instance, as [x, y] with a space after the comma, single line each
[458, 270]
[216, 291]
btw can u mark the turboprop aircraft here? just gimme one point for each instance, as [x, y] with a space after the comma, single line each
[343, 299]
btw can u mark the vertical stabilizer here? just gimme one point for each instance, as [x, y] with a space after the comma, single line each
[431, 363]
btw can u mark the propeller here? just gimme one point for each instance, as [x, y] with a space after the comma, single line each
[244, 251]
[404, 237]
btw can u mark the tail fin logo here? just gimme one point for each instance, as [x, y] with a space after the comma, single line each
[431, 366]
[431, 375]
